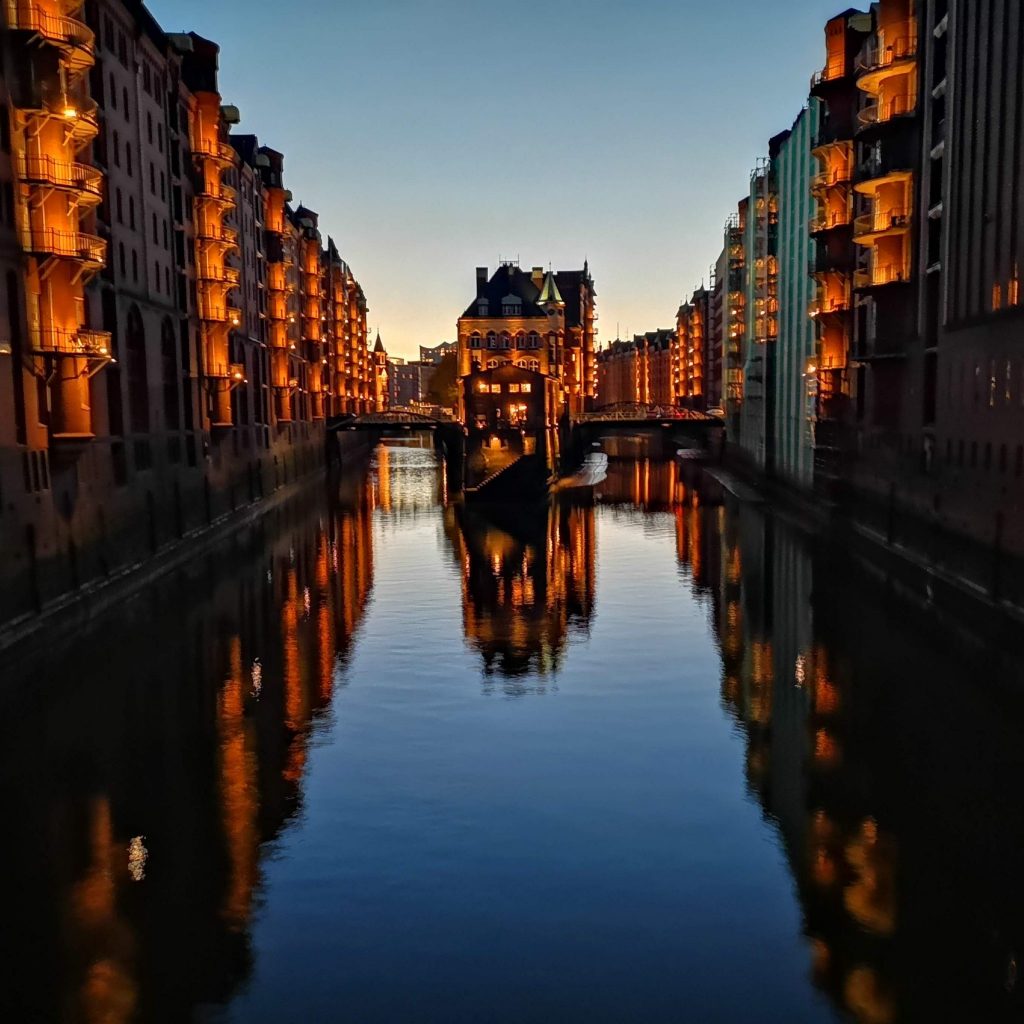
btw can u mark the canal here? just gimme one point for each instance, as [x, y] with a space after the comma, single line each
[647, 755]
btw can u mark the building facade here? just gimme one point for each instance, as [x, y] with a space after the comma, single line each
[644, 370]
[795, 366]
[540, 322]
[162, 362]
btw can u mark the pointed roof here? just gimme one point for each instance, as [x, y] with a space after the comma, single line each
[550, 292]
[378, 344]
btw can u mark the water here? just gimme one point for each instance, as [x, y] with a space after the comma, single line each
[647, 756]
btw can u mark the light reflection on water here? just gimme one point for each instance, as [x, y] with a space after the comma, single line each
[386, 757]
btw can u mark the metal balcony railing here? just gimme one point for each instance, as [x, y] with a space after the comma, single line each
[891, 273]
[831, 72]
[64, 174]
[75, 245]
[880, 113]
[830, 179]
[222, 152]
[880, 221]
[881, 54]
[79, 342]
[74, 38]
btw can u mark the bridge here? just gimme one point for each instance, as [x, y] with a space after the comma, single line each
[639, 413]
[404, 419]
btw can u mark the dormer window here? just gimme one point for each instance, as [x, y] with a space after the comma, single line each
[511, 305]
[482, 308]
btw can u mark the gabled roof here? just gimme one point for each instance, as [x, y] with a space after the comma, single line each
[506, 280]
[509, 279]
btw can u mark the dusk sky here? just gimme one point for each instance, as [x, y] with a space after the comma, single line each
[433, 137]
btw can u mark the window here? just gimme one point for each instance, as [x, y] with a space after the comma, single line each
[156, 236]
[152, 178]
[124, 96]
[495, 389]
[513, 389]
[474, 341]
[120, 258]
[128, 158]
[525, 388]
[492, 340]
[117, 150]
[520, 340]
[149, 116]
[135, 266]
[113, 91]
[131, 212]
[534, 339]
[118, 206]
[506, 340]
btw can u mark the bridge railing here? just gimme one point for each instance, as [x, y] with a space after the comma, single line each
[640, 411]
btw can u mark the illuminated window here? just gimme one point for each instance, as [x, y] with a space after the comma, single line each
[525, 388]
[513, 389]
[495, 389]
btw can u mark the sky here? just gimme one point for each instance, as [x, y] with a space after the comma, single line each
[435, 136]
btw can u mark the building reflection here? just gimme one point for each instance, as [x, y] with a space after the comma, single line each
[527, 585]
[142, 790]
[881, 767]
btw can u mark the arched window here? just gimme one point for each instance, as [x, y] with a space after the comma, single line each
[474, 340]
[534, 340]
[492, 339]
[533, 364]
[169, 374]
[520, 340]
[492, 364]
[506, 339]
[137, 372]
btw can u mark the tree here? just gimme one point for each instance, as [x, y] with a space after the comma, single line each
[443, 388]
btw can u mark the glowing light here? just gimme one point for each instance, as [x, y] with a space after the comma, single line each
[137, 857]
[256, 675]
[70, 113]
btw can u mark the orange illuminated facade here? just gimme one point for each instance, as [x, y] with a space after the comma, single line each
[695, 383]
[542, 321]
[646, 370]
[169, 351]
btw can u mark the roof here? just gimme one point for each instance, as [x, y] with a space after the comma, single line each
[509, 279]
[550, 292]
[378, 345]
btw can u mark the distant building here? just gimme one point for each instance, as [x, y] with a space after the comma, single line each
[411, 382]
[438, 352]
[640, 370]
[695, 372]
[539, 323]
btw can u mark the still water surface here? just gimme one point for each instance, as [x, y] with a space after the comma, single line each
[644, 756]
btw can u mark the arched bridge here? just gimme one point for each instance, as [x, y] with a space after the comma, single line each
[401, 418]
[644, 413]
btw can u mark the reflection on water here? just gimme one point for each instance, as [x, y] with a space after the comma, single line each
[153, 771]
[527, 584]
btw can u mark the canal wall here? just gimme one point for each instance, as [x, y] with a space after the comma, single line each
[96, 547]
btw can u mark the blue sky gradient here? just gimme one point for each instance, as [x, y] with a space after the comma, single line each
[437, 135]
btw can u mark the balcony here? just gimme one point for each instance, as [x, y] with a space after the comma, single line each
[222, 152]
[75, 40]
[80, 342]
[232, 276]
[834, 71]
[826, 306]
[829, 222]
[217, 234]
[45, 171]
[72, 245]
[832, 178]
[879, 60]
[875, 114]
[876, 277]
[871, 226]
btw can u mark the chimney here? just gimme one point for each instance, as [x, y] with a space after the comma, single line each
[537, 276]
[481, 281]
